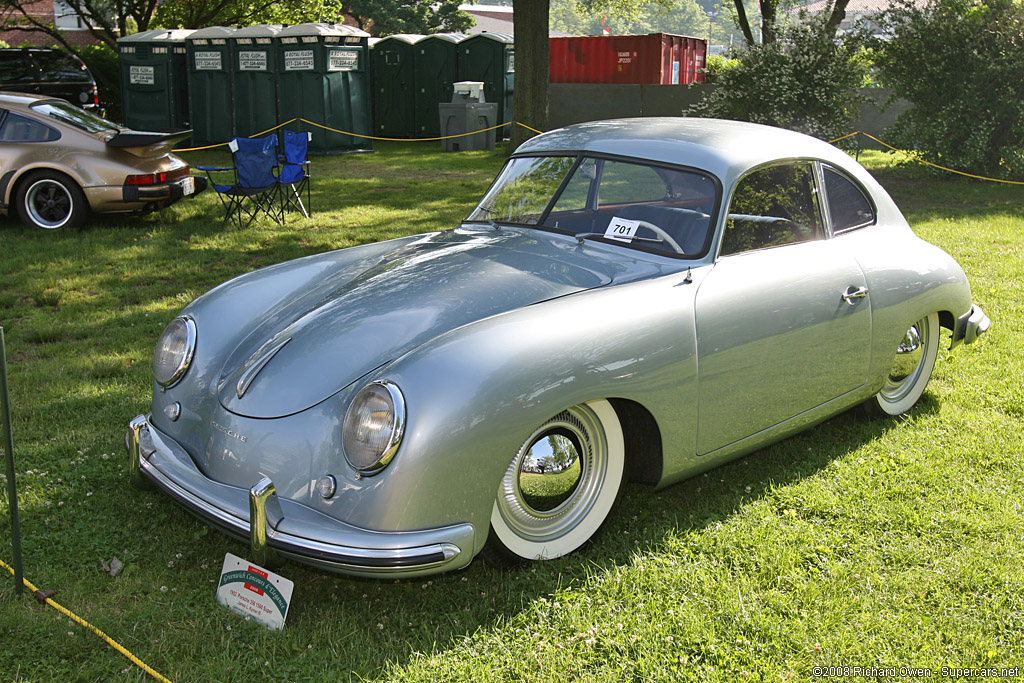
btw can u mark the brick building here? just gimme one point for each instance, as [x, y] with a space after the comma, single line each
[56, 12]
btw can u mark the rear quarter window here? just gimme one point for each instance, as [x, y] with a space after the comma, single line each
[848, 207]
[18, 128]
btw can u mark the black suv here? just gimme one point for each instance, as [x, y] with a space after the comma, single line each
[53, 73]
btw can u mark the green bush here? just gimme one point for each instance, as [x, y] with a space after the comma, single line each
[804, 81]
[959, 62]
[102, 62]
[715, 65]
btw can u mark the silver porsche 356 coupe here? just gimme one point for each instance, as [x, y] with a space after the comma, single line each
[638, 299]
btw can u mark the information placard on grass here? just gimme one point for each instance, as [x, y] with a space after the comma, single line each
[254, 592]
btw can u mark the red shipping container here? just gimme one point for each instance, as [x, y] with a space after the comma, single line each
[659, 58]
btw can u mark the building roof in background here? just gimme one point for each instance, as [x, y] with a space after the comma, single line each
[496, 19]
[859, 6]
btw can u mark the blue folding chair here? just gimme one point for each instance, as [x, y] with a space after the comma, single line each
[294, 176]
[254, 192]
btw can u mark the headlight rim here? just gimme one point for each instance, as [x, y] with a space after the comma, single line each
[185, 362]
[397, 433]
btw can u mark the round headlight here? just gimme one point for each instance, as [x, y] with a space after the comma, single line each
[373, 426]
[174, 351]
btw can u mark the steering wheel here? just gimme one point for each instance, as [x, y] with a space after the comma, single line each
[663, 235]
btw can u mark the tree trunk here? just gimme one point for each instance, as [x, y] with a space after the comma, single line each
[741, 19]
[530, 99]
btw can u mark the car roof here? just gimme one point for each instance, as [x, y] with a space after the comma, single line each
[725, 148]
[22, 99]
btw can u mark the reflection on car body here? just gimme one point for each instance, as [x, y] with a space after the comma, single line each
[640, 299]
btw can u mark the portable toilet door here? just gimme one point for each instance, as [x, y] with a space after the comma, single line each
[154, 79]
[322, 77]
[437, 69]
[253, 61]
[490, 58]
[209, 85]
[394, 72]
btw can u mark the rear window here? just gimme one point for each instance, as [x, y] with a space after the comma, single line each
[73, 116]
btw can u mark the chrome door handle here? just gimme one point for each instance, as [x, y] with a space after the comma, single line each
[854, 293]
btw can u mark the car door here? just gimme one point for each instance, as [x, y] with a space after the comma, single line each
[783, 319]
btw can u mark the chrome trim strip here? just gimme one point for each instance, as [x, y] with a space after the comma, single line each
[249, 375]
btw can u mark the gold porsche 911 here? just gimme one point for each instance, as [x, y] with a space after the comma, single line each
[58, 163]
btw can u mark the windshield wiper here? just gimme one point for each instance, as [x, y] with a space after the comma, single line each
[580, 236]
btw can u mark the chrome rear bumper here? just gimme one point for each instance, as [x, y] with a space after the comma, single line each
[278, 526]
[970, 326]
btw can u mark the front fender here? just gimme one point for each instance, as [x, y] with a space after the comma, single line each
[475, 394]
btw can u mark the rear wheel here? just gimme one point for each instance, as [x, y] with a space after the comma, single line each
[911, 368]
[50, 201]
[560, 486]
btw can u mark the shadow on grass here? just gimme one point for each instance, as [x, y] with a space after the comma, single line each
[393, 622]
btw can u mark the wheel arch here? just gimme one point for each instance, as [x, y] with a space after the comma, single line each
[642, 436]
[15, 182]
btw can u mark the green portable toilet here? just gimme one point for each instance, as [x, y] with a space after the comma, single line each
[322, 76]
[154, 79]
[253, 62]
[491, 59]
[209, 85]
[436, 70]
[394, 72]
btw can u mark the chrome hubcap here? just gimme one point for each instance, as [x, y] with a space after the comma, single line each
[555, 477]
[907, 364]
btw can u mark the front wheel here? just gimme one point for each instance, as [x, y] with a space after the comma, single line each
[50, 201]
[912, 367]
[560, 487]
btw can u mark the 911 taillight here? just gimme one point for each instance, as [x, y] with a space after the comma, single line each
[157, 178]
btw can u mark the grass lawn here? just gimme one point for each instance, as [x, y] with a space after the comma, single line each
[860, 543]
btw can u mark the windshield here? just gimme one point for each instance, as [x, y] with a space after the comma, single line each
[640, 205]
[72, 115]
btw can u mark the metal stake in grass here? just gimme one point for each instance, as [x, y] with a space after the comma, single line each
[12, 489]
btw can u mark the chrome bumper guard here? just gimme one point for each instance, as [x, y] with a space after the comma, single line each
[970, 326]
[154, 460]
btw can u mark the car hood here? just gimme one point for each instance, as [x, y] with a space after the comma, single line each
[384, 308]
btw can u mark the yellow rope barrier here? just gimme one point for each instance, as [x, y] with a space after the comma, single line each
[367, 137]
[927, 163]
[71, 615]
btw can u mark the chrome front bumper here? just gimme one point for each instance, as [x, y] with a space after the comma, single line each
[280, 527]
[970, 326]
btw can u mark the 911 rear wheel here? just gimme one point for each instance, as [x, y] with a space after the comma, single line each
[560, 486]
[911, 368]
[50, 201]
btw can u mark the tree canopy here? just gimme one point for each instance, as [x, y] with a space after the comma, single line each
[961, 64]
[107, 21]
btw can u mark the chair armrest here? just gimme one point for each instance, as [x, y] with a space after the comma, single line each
[215, 168]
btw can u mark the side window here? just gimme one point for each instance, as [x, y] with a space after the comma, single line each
[16, 69]
[62, 67]
[847, 206]
[17, 128]
[771, 207]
